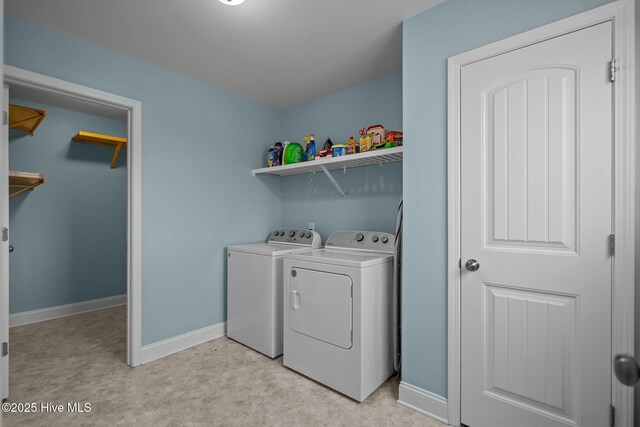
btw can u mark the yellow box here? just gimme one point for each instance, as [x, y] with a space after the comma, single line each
[365, 143]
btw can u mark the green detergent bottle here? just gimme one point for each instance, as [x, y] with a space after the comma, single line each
[293, 153]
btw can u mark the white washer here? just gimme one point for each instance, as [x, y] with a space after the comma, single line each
[254, 288]
[338, 312]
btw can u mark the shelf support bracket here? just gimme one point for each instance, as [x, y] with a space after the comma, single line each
[333, 181]
[115, 155]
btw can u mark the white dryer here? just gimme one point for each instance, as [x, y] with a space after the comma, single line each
[338, 312]
[254, 288]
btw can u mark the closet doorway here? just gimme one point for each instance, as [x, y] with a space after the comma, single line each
[121, 113]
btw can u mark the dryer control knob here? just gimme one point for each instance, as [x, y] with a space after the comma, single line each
[384, 239]
[308, 235]
[292, 233]
[302, 234]
[359, 237]
[375, 239]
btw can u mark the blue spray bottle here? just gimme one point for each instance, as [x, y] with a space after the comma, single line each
[311, 155]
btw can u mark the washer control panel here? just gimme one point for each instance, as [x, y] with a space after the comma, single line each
[295, 236]
[363, 240]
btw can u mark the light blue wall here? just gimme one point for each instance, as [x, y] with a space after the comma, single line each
[373, 193]
[450, 28]
[70, 233]
[199, 146]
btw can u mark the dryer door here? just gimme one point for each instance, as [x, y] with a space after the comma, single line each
[321, 306]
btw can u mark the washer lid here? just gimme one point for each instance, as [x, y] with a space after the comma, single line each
[348, 258]
[269, 249]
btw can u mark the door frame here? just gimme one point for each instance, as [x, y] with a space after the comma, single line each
[20, 77]
[621, 13]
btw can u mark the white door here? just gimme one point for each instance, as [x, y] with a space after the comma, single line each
[4, 250]
[536, 128]
[321, 306]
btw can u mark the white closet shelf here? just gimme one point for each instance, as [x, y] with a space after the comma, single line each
[375, 157]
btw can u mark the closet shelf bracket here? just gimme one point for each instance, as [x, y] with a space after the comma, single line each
[25, 119]
[107, 140]
[115, 155]
[333, 181]
[19, 184]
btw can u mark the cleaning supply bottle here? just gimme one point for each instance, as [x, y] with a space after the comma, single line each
[278, 152]
[307, 149]
[312, 147]
[284, 150]
[293, 153]
[351, 146]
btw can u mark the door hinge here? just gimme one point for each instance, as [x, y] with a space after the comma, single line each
[612, 416]
[5, 234]
[613, 70]
[460, 263]
[5, 349]
[5, 118]
[612, 244]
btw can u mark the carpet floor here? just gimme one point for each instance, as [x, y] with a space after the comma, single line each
[82, 359]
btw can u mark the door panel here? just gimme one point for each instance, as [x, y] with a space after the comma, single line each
[536, 153]
[530, 143]
[321, 306]
[530, 343]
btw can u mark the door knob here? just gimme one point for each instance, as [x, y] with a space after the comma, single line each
[10, 248]
[626, 369]
[472, 265]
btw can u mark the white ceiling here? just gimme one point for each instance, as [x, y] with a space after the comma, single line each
[278, 52]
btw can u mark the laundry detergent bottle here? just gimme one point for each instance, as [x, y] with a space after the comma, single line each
[313, 146]
[293, 153]
[351, 146]
[310, 153]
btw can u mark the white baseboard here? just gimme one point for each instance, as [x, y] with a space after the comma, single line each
[50, 313]
[173, 345]
[423, 401]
